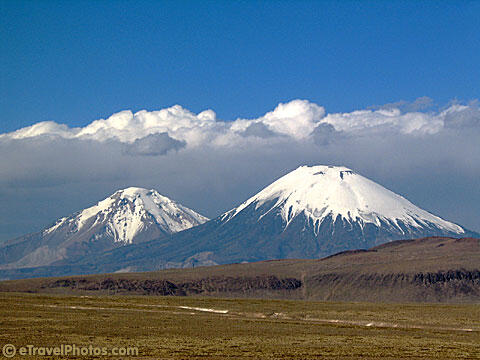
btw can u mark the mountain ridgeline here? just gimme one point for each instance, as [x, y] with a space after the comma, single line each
[311, 212]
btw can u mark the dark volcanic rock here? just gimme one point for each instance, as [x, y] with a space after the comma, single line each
[206, 286]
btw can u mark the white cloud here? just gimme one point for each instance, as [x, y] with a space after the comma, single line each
[127, 127]
[49, 170]
[386, 119]
[41, 128]
[296, 119]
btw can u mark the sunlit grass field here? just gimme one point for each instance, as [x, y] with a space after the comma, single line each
[207, 328]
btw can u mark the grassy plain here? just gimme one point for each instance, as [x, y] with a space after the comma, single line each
[183, 327]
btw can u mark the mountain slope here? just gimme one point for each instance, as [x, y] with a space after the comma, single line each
[131, 215]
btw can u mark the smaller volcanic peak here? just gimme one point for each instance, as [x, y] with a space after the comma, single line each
[129, 211]
[323, 193]
[129, 216]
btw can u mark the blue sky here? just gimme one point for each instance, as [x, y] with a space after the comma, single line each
[74, 62]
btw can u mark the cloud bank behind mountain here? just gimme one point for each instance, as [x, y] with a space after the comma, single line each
[429, 155]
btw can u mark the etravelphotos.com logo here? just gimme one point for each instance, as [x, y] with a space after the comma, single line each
[10, 350]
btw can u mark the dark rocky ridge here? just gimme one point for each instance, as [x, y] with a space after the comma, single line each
[206, 286]
[438, 286]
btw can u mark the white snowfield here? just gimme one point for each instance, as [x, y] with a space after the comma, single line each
[127, 212]
[323, 191]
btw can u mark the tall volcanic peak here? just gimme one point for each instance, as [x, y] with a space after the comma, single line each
[337, 192]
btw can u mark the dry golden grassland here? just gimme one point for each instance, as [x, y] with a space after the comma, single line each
[183, 328]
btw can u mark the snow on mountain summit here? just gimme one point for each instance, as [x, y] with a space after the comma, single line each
[309, 213]
[129, 216]
[129, 211]
[331, 191]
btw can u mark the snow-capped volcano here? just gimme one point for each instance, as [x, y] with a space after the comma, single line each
[310, 212]
[128, 212]
[129, 216]
[338, 193]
